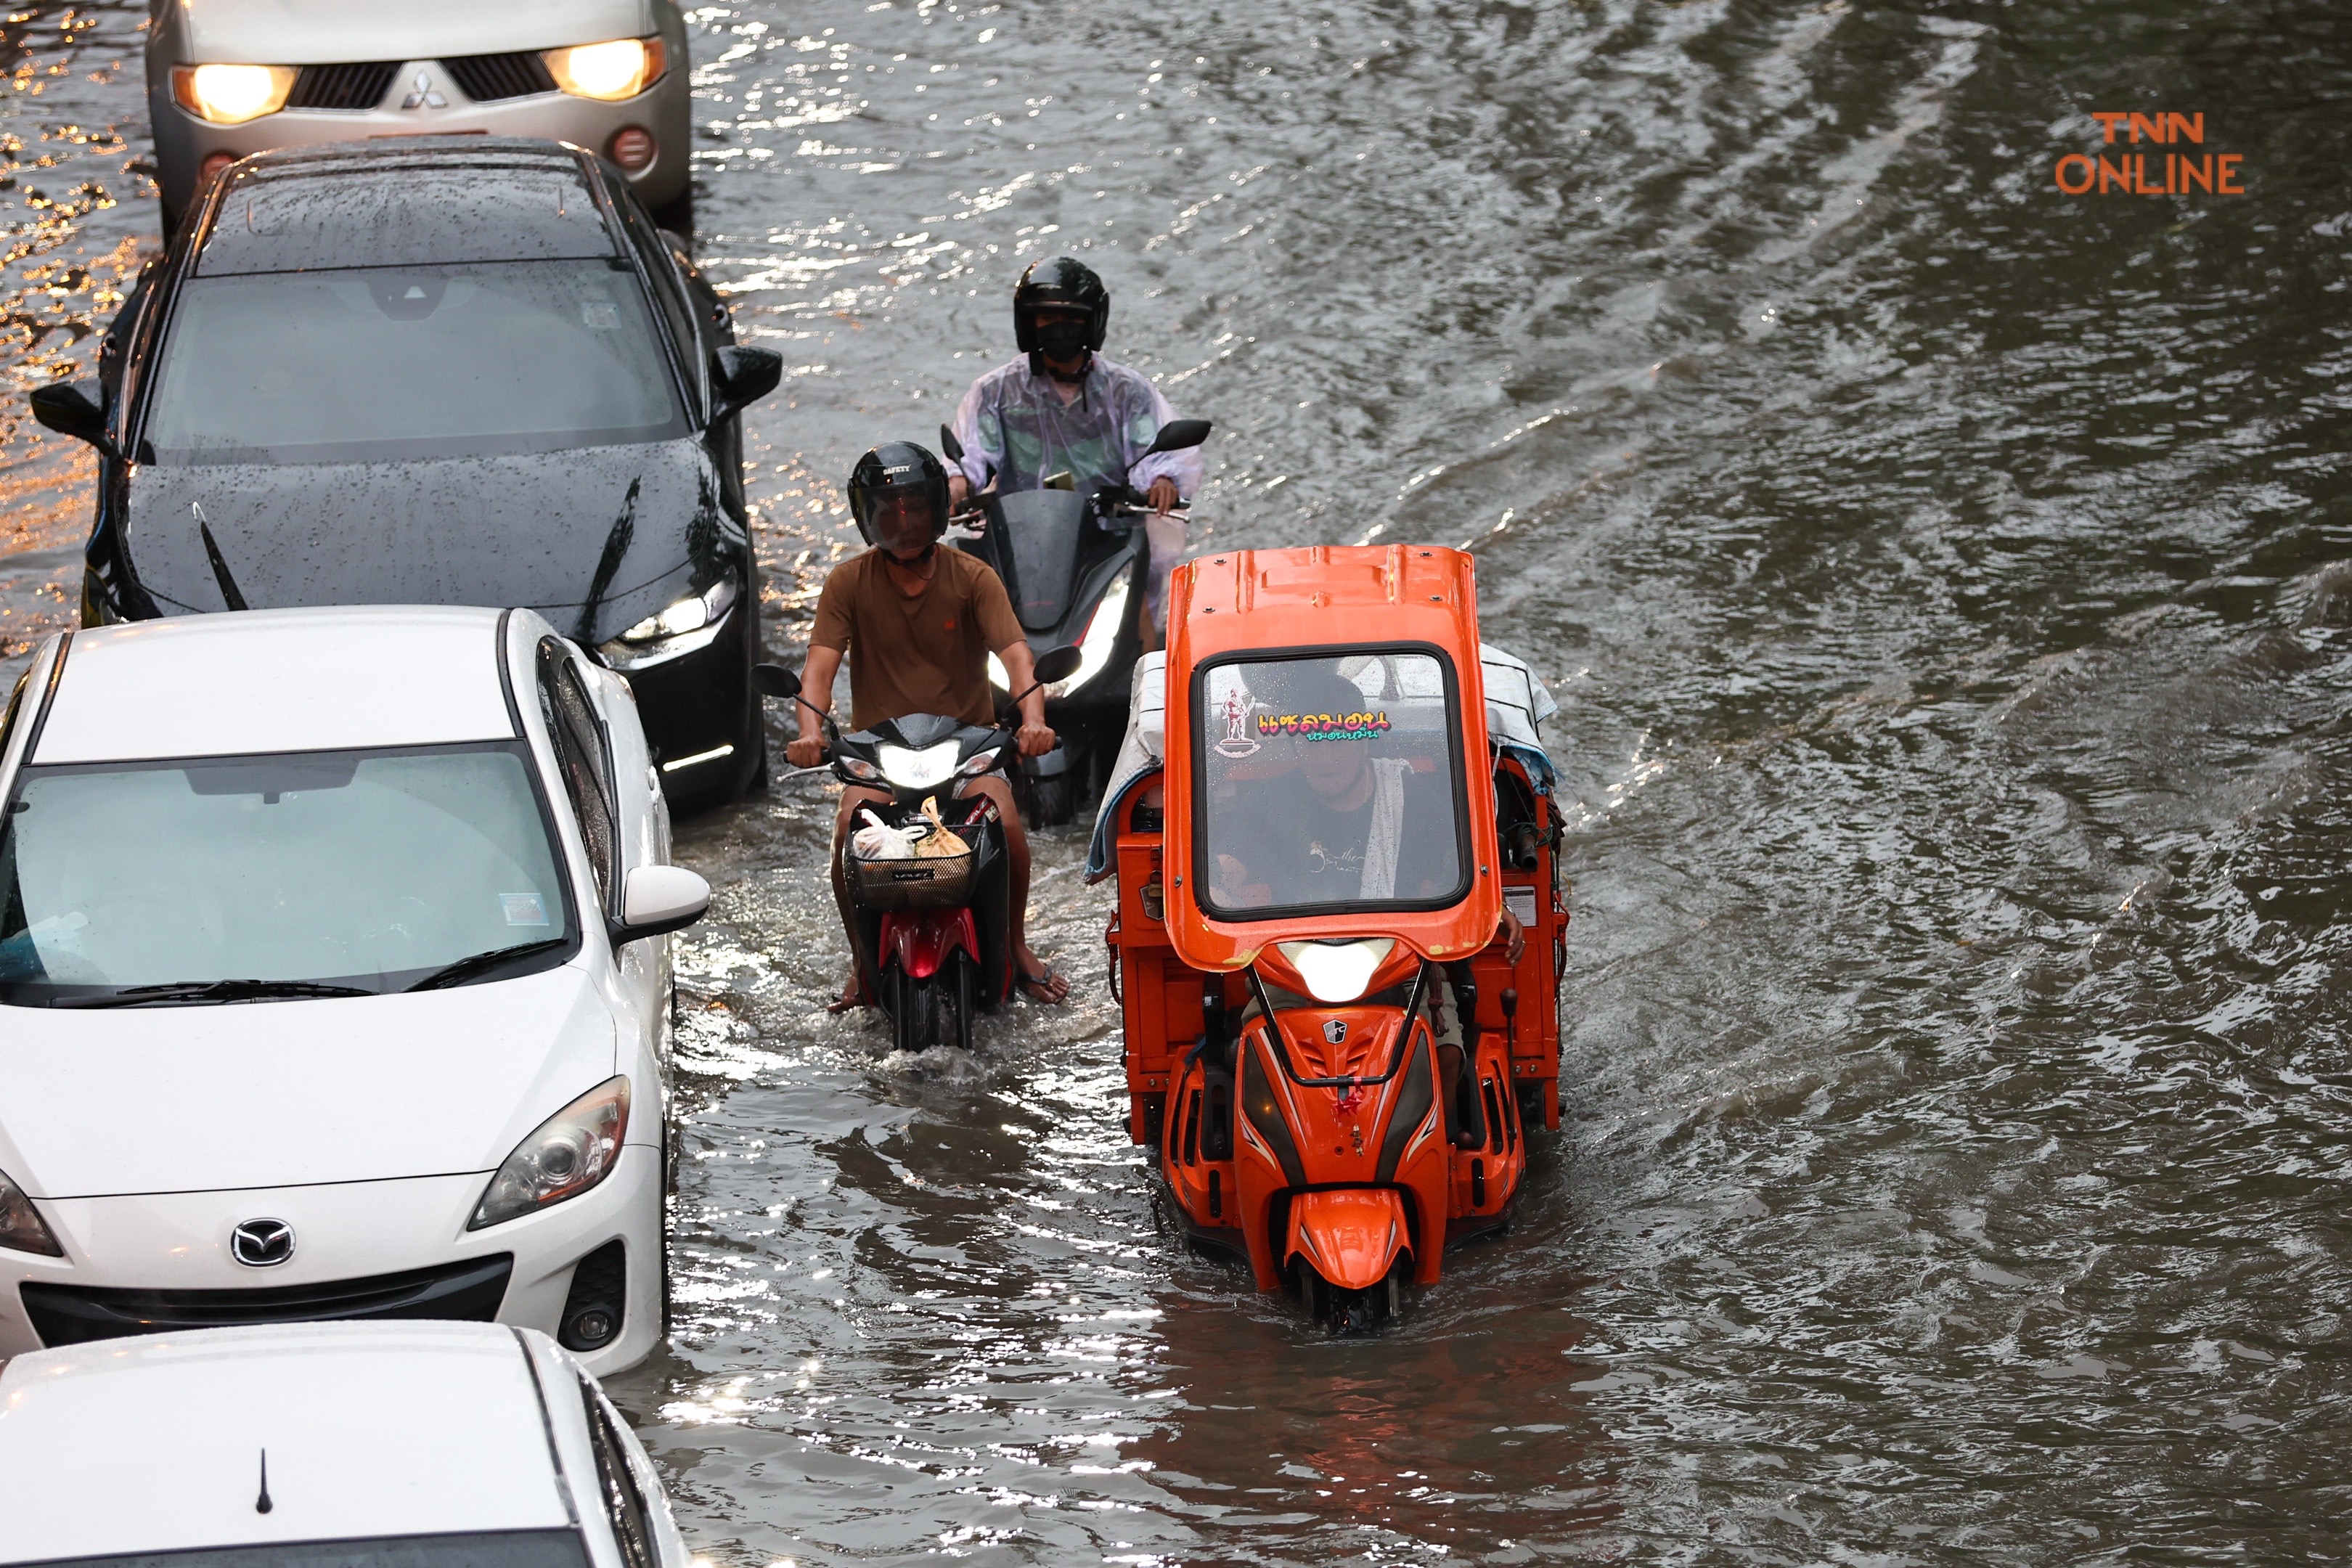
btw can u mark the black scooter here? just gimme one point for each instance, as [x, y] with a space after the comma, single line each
[1074, 566]
[934, 934]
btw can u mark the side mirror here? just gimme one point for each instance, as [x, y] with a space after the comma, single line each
[744, 375]
[950, 445]
[1058, 664]
[75, 408]
[775, 680]
[656, 900]
[1179, 434]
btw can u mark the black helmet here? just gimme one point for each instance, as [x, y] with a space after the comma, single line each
[898, 494]
[1059, 280]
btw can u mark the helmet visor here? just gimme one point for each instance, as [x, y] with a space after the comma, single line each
[905, 522]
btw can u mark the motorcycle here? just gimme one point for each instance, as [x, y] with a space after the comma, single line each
[933, 937]
[1335, 1046]
[1074, 567]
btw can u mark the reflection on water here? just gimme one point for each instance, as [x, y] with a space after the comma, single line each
[1943, 579]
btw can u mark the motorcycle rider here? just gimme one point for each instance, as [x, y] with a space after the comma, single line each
[1061, 406]
[920, 622]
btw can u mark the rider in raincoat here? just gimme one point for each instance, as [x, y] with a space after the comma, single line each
[1062, 408]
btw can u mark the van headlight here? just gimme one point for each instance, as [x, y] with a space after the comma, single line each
[231, 95]
[911, 769]
[568, 1154]
[679, 628]
[1337, 970]
[609, 71]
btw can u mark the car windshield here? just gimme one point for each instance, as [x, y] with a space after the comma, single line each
[369, 870]
[377, 363]
[1330, 782]
[493, 1549]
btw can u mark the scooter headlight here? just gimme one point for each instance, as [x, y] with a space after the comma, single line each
[1102, 633]
[1337, 970]
[21, 1228]
[911, 769]
[681, 628]
[231, 95]
[569, 1152]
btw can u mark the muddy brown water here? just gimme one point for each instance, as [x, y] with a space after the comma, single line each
[1945, 582]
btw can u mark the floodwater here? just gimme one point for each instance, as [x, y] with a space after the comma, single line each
[1947, 583]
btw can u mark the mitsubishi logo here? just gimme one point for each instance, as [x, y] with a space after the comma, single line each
[261, 1243]
[1336, 1031]
[422, 95]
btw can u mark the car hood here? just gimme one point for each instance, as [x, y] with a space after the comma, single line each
[537, 530]
[266, 1094]
[302, 32]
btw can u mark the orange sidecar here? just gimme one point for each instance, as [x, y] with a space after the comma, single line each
[1329, 795]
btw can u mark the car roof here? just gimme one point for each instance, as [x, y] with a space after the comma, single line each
[278, 680]
[405, 202]
[371, 1429]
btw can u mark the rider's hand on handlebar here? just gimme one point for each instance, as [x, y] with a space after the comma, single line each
[958, 490]
[1161, 498]
[1034, 739]
[804, 751]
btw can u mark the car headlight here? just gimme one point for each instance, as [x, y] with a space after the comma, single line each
[1337, 970]
[619, 68]
[21, 1230]
[568, 1154]
[679, 628]
[910, 769]
[231, 95]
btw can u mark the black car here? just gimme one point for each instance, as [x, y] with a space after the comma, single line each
[450, 370]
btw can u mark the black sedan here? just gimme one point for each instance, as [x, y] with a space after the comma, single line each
[441, 371]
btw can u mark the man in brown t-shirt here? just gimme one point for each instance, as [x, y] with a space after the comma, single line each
[921, 622]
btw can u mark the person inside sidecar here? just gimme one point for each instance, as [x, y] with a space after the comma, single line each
[1338, 782]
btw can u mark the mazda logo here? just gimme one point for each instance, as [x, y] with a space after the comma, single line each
[1336, 1031]
[261, 1243]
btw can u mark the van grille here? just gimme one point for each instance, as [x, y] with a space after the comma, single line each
[486, 78]
[74, 1314]
[360, 86]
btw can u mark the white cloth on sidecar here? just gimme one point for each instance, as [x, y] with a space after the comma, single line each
[1518, 703]
[1141, 755]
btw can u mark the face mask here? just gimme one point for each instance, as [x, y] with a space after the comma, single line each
[1062, 339]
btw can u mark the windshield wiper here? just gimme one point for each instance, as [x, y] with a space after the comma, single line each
[197, 991]
[481, 963]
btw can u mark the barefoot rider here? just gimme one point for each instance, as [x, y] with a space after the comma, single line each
[921, 622]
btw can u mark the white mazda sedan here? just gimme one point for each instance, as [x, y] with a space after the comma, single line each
[331, 980]
[325, 1446]
[228, 77]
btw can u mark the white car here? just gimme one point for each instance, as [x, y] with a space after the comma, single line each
[325, 1446]
[330, 981]
[228, 77]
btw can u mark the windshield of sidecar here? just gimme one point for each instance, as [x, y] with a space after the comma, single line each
[1331, 782]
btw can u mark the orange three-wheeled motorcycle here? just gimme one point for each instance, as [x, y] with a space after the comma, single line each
[1329, 796]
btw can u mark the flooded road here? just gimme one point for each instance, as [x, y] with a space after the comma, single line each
[1947, 583]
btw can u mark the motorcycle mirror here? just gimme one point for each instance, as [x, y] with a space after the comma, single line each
[775, 680]
[1054, 664]
[950, 446]
[1178, 435]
